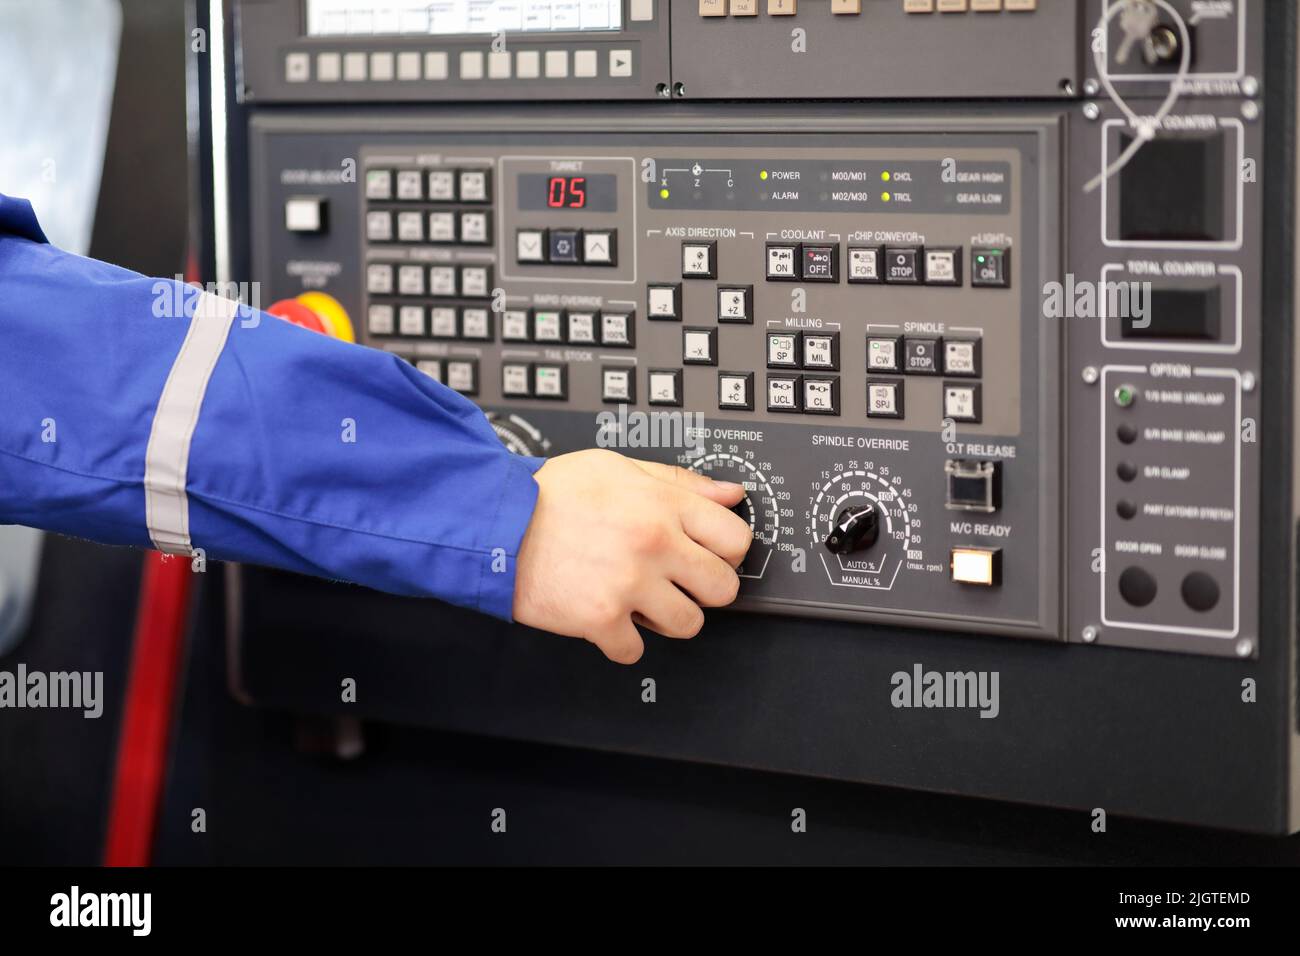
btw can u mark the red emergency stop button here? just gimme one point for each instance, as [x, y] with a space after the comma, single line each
[316, 311]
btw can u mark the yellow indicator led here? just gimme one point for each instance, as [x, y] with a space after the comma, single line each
[663, 194]
[885, 197]
[763, 174]
[884, 177]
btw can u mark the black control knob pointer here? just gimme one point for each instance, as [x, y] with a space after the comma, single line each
[856, 529]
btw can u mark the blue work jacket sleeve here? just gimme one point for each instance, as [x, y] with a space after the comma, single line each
[298, 451]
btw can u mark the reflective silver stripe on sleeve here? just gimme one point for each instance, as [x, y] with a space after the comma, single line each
[166, 459]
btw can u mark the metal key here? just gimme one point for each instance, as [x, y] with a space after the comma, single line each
[1137, 20]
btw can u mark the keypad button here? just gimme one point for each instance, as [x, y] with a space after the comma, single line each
[784, 393]
[783, 350]
[961, 357]
[990, 268]
[961, 401]
[379, 226]
[442, 185]
[884, 398]
[699, 260]
[700, 346]
[475, 229]
[599, 247]
[444, 322]
[582, 328]
[476, 324]
[736, 391]
[943, 266]
[921, 356]
[664, 302]
[530, 246]
[618, 329]
[735, 303]
[379, 184]
[442, 227]
[821, 396]
[618, 385]
[410, 184]
[476, 281]
[379, 279]
[305, 214]
[821, 350]
[884, 353]
[514, 325]
[565, 245]
[475, 185]
[462, 375]
[782, 262]
[410, 227]
[410, 280]
[379, 320]
[903, 265]
[411, 320]
[516, 379]
[548, 326]
[864, 263]
[431, 368]
[820, 263]
[664, 386]
[442, 280]
[550, 381]
[297, 67]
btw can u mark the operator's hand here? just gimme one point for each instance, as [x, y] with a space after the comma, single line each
[613, 541]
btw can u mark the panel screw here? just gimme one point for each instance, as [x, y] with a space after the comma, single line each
[1089, 634]
[1248, 382]
[1250, 87]
[1250, 110]
[679, 89]
[1091, 87]
[1245, 647]
[1091, 111]
[1091, 375]
[662, 90]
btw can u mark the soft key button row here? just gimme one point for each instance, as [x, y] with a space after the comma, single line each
[810, 394]
[436, 185]
[472, 228]
[436, 281]
[611, 329]
[448, 322]
[924, 355]
[566, 247]
[546, 380]
[460, 374]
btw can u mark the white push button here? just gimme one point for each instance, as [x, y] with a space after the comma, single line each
[499, 65]
[410, 226]
[598, 247]
[884, 399]
[474, 186]
[557, 64]
[411, 320]
[665, 386]
[442, 185]
[329, 67]
[304, 214]
[584, 64]
[462, 375]
[435, 66]
[782, 262]
[442, 227]
[379, 279]
[698, 260]
[354, 67]
[297, 68]
[410, 280]
[961, 401]
[699, 346]
[379, 184]
[821, 396]
[617, 385]
[471, 65]
[379, 320]
[431, 368]
[736, 390]
[530, 245]
[475, 282]
[549, 381]
[379, 226]
[783, 349]
[442, 322]
[476, 324]
[528, 64]
[547, 327]
[664, 301]
[620, 64]
[442, 280]
[616, 329]
[582, 328]
[783, 393]
[514, 325]
[410, 184]
[474, 228]
[516, 379]
[981, 566]
[381, 67]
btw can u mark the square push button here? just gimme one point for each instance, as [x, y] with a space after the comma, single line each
[304, 214]
[990, 268]
[782, 349]
[921, 356]
[431, 368]
[821, 263]
[550, 381]
[442, 185]
[618, 329]
[943, 267]
[664, 302]
[565, 245]
[821, 396]
[599, 247]
[961, 401]
[442, 227]
[903, 265]
[821, 350]
[736, 391]
[582, 328]
[379, 226]
[379, 184]
[783, 393]
[476, 324]
[475, 229]
[379, 279]
[979, 566]
[700, 346]
[961, 357]
[530, 246]
[410, 280]
[735, 304]
[444, 322]
[864, 263]
[782, 262]
[884, 398]
[665, 386]
[884, 353]
[514, 325]
[476, 281]
[699, 260]
[410, 227]
[442, 280]
[548, 326]
[410, 320]
[462, 375]
[617, 385]
[516, 380]
[379, 320]
[410, 184]
[475, 185]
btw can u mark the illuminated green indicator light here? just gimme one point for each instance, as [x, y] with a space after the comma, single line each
[884, 177]
[763, 174]
[885, 197]
[981, 259]
[1125, 395]
[663, 194]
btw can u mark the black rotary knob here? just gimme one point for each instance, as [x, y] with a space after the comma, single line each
[856, 529]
